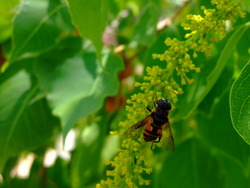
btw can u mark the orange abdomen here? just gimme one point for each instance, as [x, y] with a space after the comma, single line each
[151, 132]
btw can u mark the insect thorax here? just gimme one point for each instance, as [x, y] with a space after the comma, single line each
[159, 119]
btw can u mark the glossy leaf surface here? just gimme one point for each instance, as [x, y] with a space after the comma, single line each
[240, 103]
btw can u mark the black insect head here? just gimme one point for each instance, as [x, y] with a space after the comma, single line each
[164, 104]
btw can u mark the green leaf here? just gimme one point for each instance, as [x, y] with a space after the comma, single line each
[214, 151]
[217, 134]
[91, 143]
[58, 174]
[93, 140]
[217, 131]
[240, 103]
[191, 165]
[24, 124]
[242, 53]
[245, 5]
[7, 14]
[204, 82]
[145, 29]
[77, 86]
[90, 17]
[38, 26]
[19, 83]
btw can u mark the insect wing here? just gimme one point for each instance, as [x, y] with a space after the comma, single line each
[167, 138]
[129, 133]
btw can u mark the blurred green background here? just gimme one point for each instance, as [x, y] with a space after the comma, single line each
[67, 68]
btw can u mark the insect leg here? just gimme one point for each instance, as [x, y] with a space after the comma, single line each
[148, 109]
[155, 102]
[159, 138]
[152, 145]
[155, 141]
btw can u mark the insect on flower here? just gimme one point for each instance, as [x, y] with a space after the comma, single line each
[156, 126]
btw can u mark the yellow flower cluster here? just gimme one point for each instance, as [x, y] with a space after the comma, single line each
[159, 83]
[178, 58]
[203, 31]
[213, 25]
[130, 161]
[130, 164]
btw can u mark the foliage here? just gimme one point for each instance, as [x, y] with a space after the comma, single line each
[240, 105]
[59, 78]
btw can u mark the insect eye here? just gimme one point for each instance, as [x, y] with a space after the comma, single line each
[164, 104]
[160, 103]
[168, 106]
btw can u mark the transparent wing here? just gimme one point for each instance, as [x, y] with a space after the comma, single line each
[167, 138]
[130, 132]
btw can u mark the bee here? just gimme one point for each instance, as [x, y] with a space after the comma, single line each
[156, 125]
